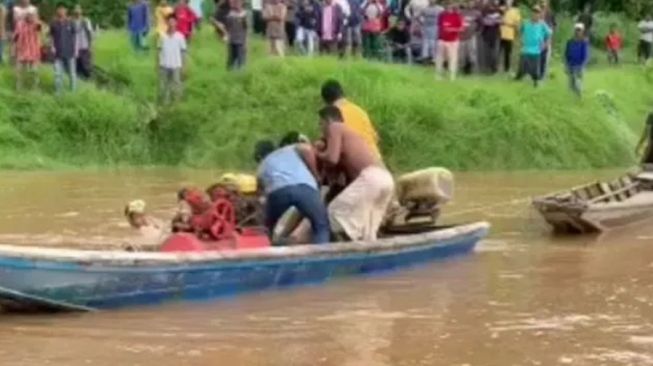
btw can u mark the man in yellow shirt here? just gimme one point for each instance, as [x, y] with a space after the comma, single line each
[509, 27]
[354, 117]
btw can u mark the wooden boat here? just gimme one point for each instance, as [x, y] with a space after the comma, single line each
[599, 206]
[61, 279]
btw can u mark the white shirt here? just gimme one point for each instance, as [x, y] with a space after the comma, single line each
[344, 6]
[646, 27]
[171, 50]
[20, 13]
[257, 4]
[415, 7]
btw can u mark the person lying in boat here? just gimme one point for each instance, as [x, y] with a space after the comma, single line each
[359, 209]
[646, 139]
[288, 177]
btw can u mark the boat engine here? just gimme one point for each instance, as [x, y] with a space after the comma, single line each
[217, 228]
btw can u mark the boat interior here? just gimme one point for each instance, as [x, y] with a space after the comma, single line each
[618, 190]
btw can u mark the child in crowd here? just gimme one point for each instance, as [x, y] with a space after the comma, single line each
[236, 33]
[27, 45]
[576, 57]
[172, 54]
[274, 13]
[614, 44]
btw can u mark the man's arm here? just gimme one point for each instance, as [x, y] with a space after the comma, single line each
[307, 154]
[334, 145]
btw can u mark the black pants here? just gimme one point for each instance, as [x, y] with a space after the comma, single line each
[236, 56]
[529, 65]
[490, 52]
[84, 64]
[290, 33]
[506, 52]
[258, 23]
[544, 63]
[644, 50]
[613, 57]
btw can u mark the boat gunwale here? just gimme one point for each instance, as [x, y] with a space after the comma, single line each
[124, 259]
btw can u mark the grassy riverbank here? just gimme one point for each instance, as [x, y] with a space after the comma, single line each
[475, 123]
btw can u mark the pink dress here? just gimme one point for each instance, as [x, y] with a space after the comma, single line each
[28, 42]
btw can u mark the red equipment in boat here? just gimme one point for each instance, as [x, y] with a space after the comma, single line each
[217, 229]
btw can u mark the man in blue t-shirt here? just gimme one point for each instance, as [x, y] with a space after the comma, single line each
[288, 176]
[535, 33]
[576, 57]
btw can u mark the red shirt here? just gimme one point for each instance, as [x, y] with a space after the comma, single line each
[186, 20]
[450, 25]
[614, 41]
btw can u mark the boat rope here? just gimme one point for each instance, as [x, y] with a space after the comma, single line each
[513, 202]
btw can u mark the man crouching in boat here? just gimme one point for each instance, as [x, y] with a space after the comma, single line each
[359, 209]
[288, 177]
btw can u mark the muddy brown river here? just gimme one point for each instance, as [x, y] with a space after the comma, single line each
[523, 298]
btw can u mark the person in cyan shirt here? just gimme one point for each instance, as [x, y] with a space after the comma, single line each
[535, 35]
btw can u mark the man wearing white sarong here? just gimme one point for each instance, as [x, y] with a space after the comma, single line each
[359, 209]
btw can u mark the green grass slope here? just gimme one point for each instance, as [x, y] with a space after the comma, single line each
[475, 123]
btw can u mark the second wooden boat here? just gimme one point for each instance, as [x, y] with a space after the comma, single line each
[599, 206]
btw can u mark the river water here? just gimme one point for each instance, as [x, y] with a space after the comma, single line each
[523, 298]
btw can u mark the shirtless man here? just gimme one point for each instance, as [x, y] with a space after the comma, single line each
[357, 211]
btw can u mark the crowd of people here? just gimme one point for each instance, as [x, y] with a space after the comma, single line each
[68, 46]
[473, 36]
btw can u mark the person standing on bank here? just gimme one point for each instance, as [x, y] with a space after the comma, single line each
[450, 26]
[534, 35]
[258, 24]
[330, 26]
[84, 42]
[64, 47]
[548, 16]
[646, 139]
[161, 13]
[27, 47]
[614, 44]
[138, 24]
[3, 31]
[172, 60]
[576, 57]
[307, 22]
[274, 13]
[645, 47]
[509, 27]
[236, 35]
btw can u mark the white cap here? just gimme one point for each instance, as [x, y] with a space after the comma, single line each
[579, 26]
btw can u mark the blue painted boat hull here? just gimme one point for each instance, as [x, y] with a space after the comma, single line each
[86, 280]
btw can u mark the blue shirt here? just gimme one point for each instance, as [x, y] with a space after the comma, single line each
[577, 52]
[533, 37]
[138, 18]
[283, 168]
